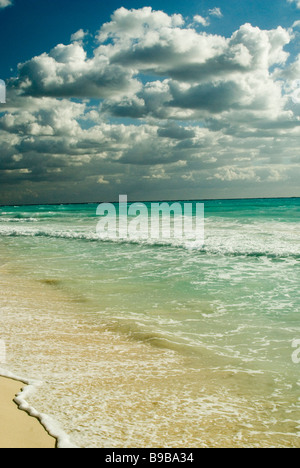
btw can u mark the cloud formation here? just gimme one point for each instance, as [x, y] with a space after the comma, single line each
[158, 108]
[216, 12]
[201, 20]
[67, 72]
[5, 3]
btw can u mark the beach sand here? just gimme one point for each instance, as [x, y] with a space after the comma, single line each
[17, 428]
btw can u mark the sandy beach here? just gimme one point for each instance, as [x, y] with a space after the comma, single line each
[17, 428]
[128, 345]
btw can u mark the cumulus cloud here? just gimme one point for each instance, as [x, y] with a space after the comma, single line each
[157, 100]
[79, 36]
[184, 54]
[201, 20]
[132, 23]
[224, 96]
[212, 74]
[144, 41]
[154, 42]
[292, 72]
[67, 72]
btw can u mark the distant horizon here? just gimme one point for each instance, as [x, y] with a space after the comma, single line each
[149, 201]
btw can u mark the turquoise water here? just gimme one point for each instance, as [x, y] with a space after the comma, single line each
[228, 306]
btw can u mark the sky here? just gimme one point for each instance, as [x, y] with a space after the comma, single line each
[158, 100]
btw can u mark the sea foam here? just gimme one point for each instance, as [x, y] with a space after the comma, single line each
[50, 425]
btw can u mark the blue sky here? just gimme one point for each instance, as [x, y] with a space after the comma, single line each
[197, 99]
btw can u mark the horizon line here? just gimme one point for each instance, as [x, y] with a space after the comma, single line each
[149, 201]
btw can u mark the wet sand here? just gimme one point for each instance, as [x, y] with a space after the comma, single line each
[17, 428]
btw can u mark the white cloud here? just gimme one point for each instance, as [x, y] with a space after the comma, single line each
[67, 72]
[5, 3]
[216, 12]
[234, 72]
[234, 94]
[131, 23]
[78, 36]
[232, 173]
[292, 72]
[150, 40]
[207, 73]
[201, 20]
[183, 54]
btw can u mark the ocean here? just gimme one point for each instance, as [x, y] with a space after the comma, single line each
[142, 343]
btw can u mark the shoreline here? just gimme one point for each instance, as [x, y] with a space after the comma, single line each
[111, 381]
[18, 429]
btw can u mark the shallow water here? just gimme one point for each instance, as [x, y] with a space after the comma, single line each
[140, 344]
